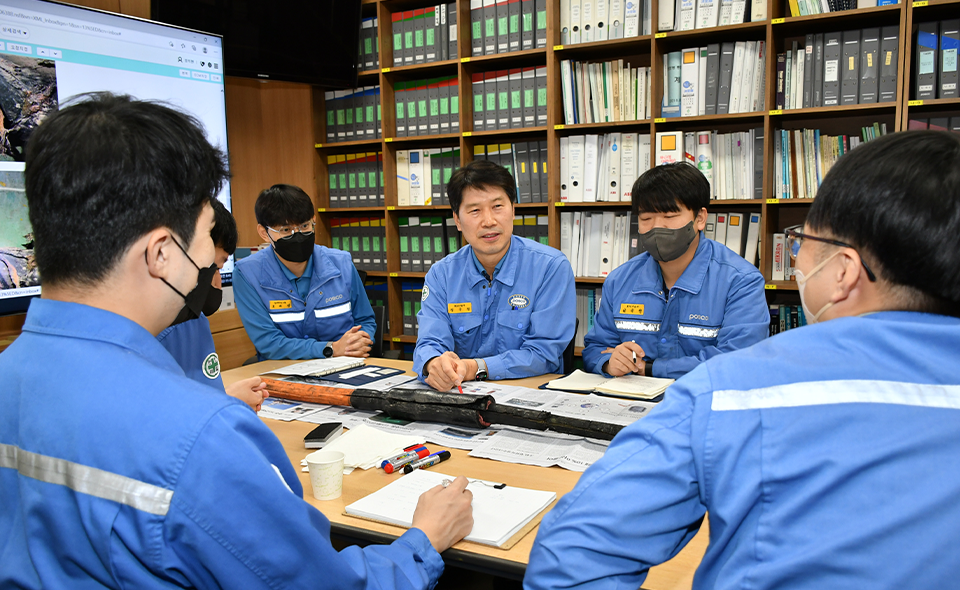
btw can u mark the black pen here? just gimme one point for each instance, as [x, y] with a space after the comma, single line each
[427, 461]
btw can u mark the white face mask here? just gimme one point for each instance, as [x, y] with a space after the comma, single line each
[812, 318]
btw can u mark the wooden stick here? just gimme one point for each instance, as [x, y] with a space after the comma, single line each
[303, 392]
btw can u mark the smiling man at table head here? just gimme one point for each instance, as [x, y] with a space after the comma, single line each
[116, 470]
[503, 307]
[827, 456]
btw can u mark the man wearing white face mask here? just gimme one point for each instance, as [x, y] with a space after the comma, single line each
[828, 456]
[686, 298]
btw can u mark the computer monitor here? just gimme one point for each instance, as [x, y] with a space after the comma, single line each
[50, 52]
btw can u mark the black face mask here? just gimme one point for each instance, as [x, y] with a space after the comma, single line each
[665, 244]
[211, 304]
[295, 248]
[195, 300]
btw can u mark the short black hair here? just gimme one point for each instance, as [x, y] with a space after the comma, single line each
[896, 200]
[105, 171]
[480, 175]
[663, 189]
[224, 232]
[283, 204]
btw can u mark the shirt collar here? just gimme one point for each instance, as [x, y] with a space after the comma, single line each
[83, 322]
[505, 270]
[650, 279]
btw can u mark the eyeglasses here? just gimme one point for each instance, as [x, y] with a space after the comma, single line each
[286, 231]
[795, 240]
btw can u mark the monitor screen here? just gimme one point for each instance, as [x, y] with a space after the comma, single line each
[51, 52]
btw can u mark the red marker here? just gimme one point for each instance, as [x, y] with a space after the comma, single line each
[460, 389]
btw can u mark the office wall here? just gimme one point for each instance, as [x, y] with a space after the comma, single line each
[270, 136]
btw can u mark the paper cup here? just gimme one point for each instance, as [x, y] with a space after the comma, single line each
[326, 474]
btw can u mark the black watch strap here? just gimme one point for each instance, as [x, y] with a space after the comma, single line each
[648, 368]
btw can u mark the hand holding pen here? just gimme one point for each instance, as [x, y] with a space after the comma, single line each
[624, 359]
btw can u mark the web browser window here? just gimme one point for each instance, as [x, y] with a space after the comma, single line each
[50, 53]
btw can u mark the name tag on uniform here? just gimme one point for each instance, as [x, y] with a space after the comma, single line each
[631, 308]
[459, 307]
[281, 304]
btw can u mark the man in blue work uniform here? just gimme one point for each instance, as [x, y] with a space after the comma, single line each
[503, 307]
[116, 470]
[189, 340]
[682, 301]
[299, 300]
[827, 457]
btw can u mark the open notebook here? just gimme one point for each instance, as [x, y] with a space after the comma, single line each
[319, 367]
[631, 386]
[497, 514]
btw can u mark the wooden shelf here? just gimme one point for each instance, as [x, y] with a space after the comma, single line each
[423, 69]
[520, 133]
[735, 202]
[443, 137]
[934, 104]
[578, 128]
[859, 18]
[844, 110]
[591, 280]
[597, 205]
[781, 286]
[354, 144]
[483, 63]
[754, 116]
[334, 211]
[788, 201]
[402, 338]
[713, 34]
[599, 49]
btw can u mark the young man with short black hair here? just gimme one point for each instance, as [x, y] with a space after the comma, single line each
[502, 307]
[682, 301]
[297, 299]
[116, 471]
[189, 339]
[828, 456]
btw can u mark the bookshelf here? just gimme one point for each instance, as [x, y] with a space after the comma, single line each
[778, 32]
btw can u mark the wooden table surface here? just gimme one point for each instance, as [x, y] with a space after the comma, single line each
[676, 574]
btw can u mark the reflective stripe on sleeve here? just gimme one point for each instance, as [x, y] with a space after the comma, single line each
[87, 480]
[821, 393]
[328, 312]
[282, 318]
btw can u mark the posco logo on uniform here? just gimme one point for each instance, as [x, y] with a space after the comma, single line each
[334, 298]
[694, 316]
[518, 301]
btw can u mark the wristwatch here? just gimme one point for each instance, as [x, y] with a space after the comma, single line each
[481, 370]
[328, 351]
[648, 367]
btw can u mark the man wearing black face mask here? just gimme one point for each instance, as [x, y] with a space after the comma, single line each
[682, 301]
[299, 300]
[189, 339]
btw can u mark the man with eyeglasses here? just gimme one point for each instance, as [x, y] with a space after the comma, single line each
[827, 456]
[299, 300]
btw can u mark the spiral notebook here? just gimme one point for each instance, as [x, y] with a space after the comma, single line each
[498, 514]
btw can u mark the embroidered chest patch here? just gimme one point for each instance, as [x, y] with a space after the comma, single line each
[518, 301]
